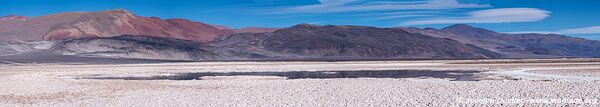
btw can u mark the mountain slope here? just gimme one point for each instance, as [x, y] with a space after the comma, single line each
[105, 24]
[247, 29]
[10, 48]
[516, 45]
[350, 42]
[13, 18]
[255, 30]
[135, 47]
[558, 45]
[33, 28]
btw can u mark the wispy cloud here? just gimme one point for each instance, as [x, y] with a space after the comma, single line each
[539, 32]
[583, 30]
[335, 6]
[405, 12]
[500, 15]
[401, 16]
[398, 15]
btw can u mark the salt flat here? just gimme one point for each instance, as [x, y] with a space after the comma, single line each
[347, 83]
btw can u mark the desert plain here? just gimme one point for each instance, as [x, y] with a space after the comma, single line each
[499, 82]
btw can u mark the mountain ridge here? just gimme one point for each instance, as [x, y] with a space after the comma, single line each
[530, 45]
[120, 34]
[352, 41]
[73, 25]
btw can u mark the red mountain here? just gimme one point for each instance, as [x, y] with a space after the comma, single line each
[13, 17]
[106, 24]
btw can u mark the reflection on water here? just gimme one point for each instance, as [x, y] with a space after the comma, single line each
[452, 75]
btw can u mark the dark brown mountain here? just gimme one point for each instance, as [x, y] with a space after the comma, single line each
[350, 42]
[516, 45]
[104, 24]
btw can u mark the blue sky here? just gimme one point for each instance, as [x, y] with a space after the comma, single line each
[574, 17]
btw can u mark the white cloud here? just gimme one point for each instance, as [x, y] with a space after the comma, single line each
[401, 16]
[539, 32]
[334, 6]
[398, 15]
[405, 13]
[583, 30]
[500, 15]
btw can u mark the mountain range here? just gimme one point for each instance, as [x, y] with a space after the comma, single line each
[516, 45]
[109, 23]
[119, 34]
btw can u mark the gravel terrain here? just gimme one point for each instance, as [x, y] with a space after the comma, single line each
[254, 84]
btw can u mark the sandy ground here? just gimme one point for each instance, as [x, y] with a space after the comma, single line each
[77, 85]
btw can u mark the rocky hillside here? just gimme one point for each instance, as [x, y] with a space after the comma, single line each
[247, 29]
[13, 18]
[516, 45]
[350, 42]
[111, 34]
[136, 47]
[255, 30]
[14, 47]
[300, 42]
[104, 24]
